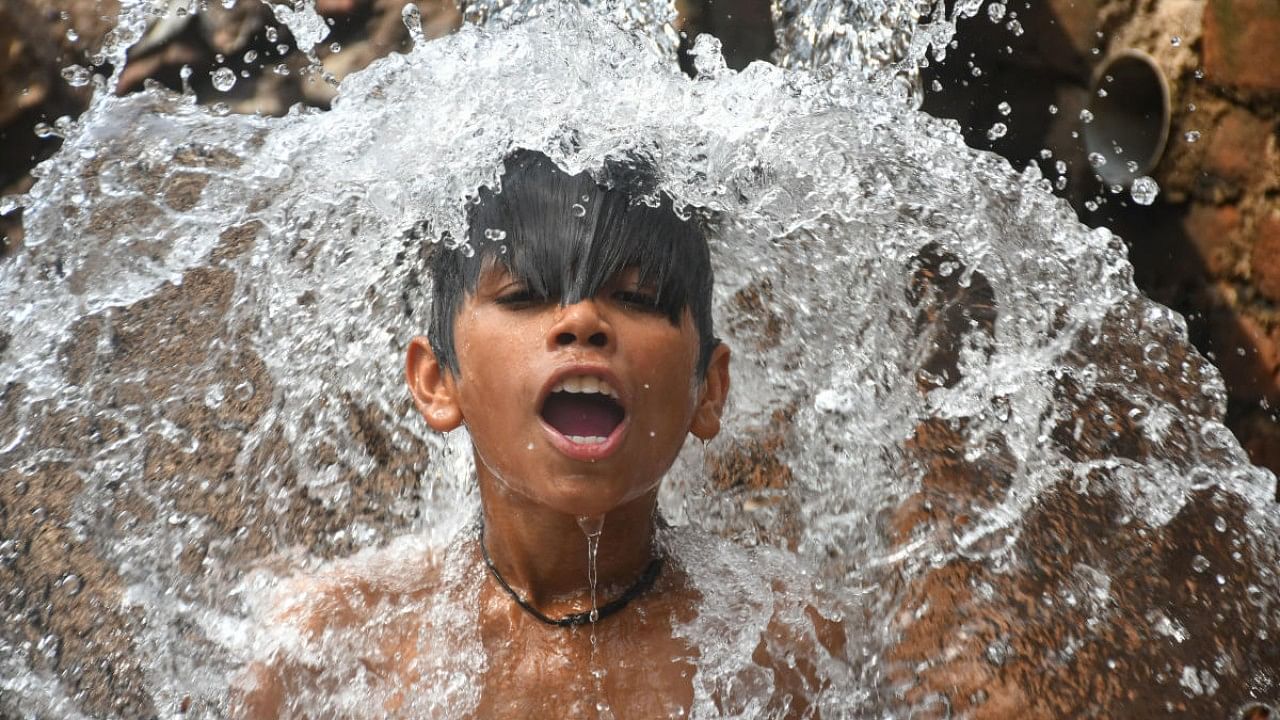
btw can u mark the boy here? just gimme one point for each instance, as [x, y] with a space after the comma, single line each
[576, 346]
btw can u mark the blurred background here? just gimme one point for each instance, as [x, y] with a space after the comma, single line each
[1159, 119]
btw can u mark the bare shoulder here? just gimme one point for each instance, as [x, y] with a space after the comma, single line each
[352, 592]
[358, 609]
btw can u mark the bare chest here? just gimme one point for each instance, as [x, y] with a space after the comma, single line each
[628, 667]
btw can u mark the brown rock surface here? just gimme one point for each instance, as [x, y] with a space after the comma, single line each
[1240, 47]
[1039, 641]
[1214, 231]
[1239, 153]
[1266, 256]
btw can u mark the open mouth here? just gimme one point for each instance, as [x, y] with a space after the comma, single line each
[584, 409]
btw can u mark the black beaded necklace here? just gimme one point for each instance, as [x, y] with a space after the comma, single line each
[642, 584]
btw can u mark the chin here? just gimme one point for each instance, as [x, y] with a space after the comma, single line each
[585, 496]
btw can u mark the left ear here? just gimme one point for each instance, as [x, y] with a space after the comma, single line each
[712, 396]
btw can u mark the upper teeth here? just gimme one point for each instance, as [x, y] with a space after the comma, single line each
[585, 384]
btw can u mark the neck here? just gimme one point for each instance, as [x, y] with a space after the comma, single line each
[542, 553]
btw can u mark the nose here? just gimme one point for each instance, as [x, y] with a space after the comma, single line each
[580, 323]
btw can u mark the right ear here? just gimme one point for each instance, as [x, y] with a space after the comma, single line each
[434, 390]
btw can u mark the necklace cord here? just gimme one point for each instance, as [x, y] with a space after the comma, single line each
[639, 587]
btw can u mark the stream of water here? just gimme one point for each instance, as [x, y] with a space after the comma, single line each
[1004, 465]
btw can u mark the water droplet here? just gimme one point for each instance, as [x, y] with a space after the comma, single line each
[529, 446]
[44, 130]
[997, 131]
[1220, 524]
[280, 69]
[1155, 354]
[995, 12]
[1200, 563]
[1097, 160]
[76, 75]
[1191, 107]
[412, 18]
[1014, 27]
[250, 56]
[467, 250]
[223, 79]
[936, 86]
[1102, 92]
[282, 49]
[71, 585]
[1086, 116]
[1053, 109]
[495, 235]
[1061, 167]
[335, 48]
[1004, 108]
[1175, 41]
[976, 71]
[1192, 136]
[578, 210]
[1199, 74]
[998, 652]
[72, 35]
[214, 396]
[1132, 166]
[1144, 190]
[272, 34]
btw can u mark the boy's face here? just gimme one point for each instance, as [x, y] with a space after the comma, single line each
[581, 408]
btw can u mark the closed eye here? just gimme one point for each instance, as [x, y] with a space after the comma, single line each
[639, 299]
[519, 298]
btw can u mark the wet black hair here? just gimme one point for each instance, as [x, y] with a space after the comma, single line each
[565, 236]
